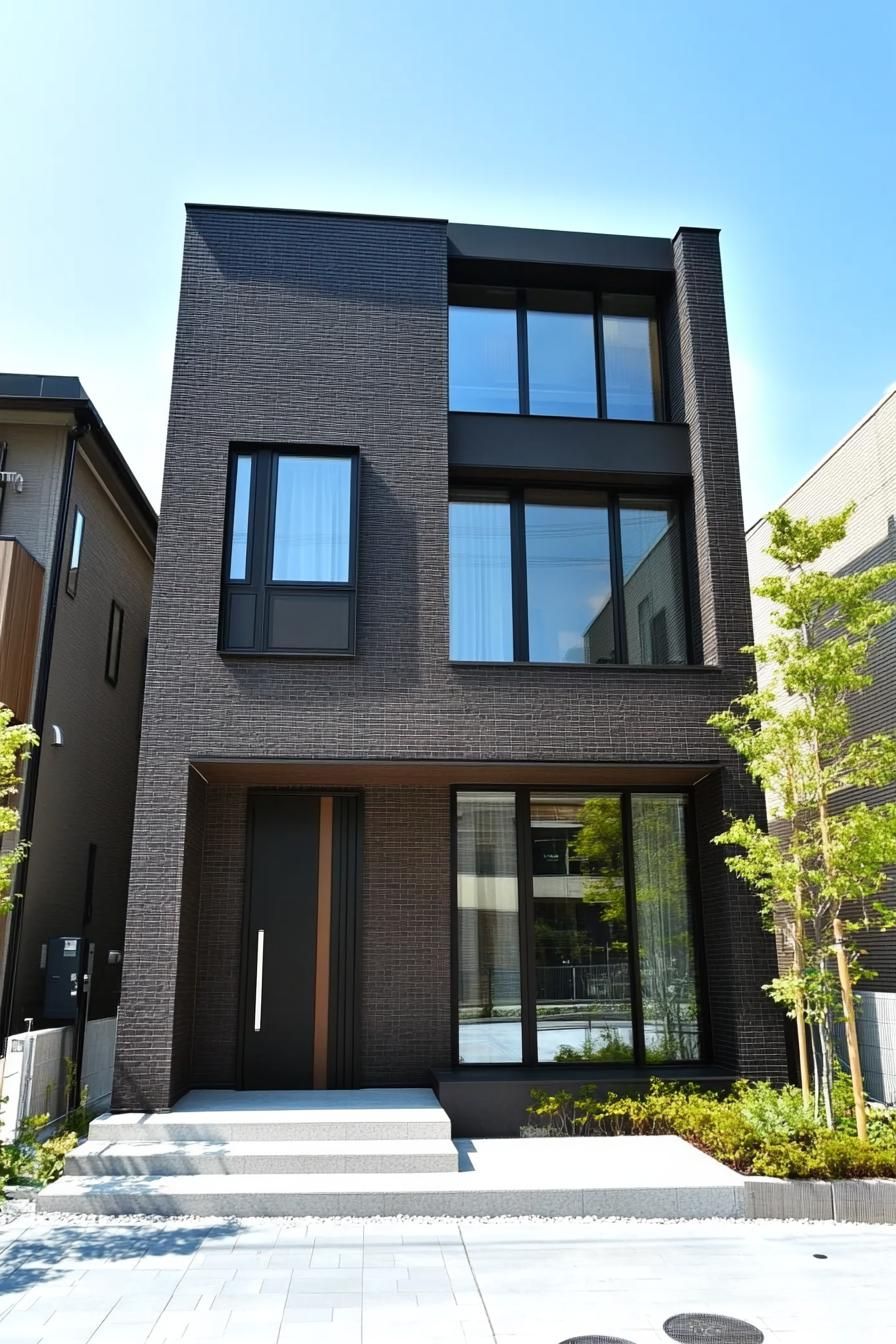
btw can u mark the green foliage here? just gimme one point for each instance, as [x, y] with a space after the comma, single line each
[28, 1160]
[829, 860]
[756, 1129]
[16, 741]
[613, 1051]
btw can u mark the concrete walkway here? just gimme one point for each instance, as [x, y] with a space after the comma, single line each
[500, 1281]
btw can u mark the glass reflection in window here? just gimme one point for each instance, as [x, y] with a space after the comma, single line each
[631, 358]
[483, 359]
[653, 582]
[560, 338]
[568, 577]
[480, 596]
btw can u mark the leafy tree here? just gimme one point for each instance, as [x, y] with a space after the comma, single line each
[829, 861]
[16, 739]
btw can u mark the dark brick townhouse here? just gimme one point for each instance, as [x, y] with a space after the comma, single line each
[451, 572]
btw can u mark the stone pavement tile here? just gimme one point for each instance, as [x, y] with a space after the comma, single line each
[291, 1257]
[109, 1333]
[379, 1259]
[270, 1308]
[332, 1333]
[326, 1281]
[306, 1315]
[242, 1285]
[136, 1308]
[333, 1257]
[295, 1298]
[209, 1326]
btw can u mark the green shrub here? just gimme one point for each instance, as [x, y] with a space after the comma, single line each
[28, 1160]
[613, 1051]
[756, 1129]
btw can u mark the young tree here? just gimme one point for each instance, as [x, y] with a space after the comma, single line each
[16, 739]
[820, 881]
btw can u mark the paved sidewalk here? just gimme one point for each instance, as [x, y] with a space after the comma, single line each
[504, 1281]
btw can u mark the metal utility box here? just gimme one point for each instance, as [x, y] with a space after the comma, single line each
[61, 978]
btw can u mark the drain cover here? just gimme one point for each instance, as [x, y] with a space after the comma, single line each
[694, 1326]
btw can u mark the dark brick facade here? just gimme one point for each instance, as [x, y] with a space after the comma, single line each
[302, 329]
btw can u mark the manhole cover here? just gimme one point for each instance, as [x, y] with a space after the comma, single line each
[595, 1339]
[694, 1326]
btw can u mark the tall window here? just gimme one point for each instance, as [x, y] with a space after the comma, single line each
[488, 945]
[74, 555]
[565, 353]
[590, 892]
[113, 643]
[482, 340]
[290, 552]
[566, 576]
[631, 358]
[480, 601]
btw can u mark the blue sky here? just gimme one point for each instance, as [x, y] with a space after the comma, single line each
[775, 122]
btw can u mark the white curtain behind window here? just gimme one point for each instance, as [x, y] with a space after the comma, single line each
[312, 521]
[481, 613]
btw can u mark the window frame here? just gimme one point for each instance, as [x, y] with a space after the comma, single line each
[515, 492]
[602, 302]
[113, 653]
[73, 571]
[258, 578]
[526, 915]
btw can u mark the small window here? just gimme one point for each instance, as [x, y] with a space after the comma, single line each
[480, 594]
[113, 643]
[631, 358]
[290, 552]
[560, 341]
[483, 354]
[239, 537]
[74, 555]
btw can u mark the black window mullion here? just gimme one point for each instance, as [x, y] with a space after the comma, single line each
[599, 356]
[518, 577]
[522, 346]
[617, 579]
[528, 991]
[634, 946]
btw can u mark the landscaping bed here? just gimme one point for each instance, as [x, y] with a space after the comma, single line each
[756, 1129]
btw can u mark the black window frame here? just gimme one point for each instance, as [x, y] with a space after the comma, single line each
[526, 911]
[515, 491]
[74, 562]
[258, 580]
[602, 303]
[113, 643]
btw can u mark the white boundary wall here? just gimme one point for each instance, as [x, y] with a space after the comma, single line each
[33, 1072]
[876, 1023]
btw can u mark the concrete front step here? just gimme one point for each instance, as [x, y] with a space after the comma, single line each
[658, 1177]
[224, 1116]
[98, 1157]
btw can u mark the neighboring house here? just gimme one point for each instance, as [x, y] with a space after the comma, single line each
[450, 577]
[77, 541]
[860, 469]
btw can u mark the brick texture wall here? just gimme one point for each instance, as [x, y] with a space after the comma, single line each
[306, 330]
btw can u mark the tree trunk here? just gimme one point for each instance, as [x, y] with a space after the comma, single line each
[852, 1037]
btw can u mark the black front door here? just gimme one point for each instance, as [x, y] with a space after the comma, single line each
[280, 948]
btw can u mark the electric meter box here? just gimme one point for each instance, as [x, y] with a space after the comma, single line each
[61, 978]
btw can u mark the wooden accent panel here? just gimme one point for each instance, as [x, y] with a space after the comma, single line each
[357, 774]
[322, 957]
[21, 586]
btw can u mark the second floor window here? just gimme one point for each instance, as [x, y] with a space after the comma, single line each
[290, 558]
[564, 353]
[74, 557]
[566, 576]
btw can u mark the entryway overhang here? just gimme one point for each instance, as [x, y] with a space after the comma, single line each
[342, 773]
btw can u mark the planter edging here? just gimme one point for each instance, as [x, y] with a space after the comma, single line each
[869, 1200]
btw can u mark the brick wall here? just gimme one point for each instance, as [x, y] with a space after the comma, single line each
[302, 329]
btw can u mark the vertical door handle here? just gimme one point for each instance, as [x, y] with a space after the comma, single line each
[259, 978]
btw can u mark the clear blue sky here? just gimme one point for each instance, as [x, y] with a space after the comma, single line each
[774, 120]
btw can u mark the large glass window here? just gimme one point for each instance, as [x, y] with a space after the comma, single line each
[631, 358]
[481, 604]
[312, 519]
[653, 582]
[482, 351]
[568, 577]
[534, 352]
[600, 912]
[560, 342]
[665, 927]
[488, 941]
[290, 553]
[580, 928]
